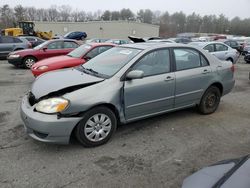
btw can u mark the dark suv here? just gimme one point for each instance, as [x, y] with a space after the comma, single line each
[9, 44]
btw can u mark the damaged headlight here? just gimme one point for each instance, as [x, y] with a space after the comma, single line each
[52, 105]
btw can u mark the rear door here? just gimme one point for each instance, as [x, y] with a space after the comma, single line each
[221, 51]
[154, 93]
[193, 75]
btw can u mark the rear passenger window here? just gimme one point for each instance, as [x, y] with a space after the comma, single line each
[187, 59]
[156, 62]
[204, 62]
[16, 40]
[220, 47]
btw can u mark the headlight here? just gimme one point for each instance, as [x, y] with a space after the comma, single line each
[52, 105]
[42, 67]
[13, 56]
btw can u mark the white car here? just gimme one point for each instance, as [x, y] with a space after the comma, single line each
[220, 50]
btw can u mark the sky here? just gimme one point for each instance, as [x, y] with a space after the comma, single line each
[229, 8]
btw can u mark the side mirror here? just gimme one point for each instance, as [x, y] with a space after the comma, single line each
[87, 58]
[135, 74]
[45, 48]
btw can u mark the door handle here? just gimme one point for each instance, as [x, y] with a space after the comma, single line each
[205, 71]
[169, 78]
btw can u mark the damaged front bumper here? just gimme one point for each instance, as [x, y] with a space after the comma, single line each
[46, 127]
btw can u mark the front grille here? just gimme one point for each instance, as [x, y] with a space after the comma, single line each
[31, 98]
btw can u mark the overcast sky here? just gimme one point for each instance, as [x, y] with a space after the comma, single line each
[230, 8]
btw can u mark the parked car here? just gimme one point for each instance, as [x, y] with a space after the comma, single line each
[161, 40]
[76, 57]
[51, 48]
[233, 173]
[246, 49]
[232, 43]
[181, 40]
[96, 40]
[145, 39]
[76, 35]
[247, 57]
[220, 50]
[9, 44]
[123, 84]
[118, 41]
[35, 41]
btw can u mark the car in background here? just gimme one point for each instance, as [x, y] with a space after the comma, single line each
[96, 40]
[181, 40]
[9, 44]
[232, 173]
[220, 50]
[50, 48]
[247, 57]
[76, 35]
[124, 84]
[118, 41]
[76, 57]
[246, 48]
[232, 43]
[161, 40]
[35, 41]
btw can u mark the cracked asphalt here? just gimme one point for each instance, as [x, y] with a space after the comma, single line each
[156, 152]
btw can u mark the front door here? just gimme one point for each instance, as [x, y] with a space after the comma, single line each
[154, 93]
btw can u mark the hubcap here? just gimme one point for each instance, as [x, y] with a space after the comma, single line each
[211, 100]
[29, 62]
[97, 127]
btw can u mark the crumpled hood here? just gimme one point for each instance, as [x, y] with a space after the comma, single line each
[56, 60]
[62, 79]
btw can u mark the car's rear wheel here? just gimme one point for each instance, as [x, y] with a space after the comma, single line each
[96, 127]
[210, 100]
[28, 62]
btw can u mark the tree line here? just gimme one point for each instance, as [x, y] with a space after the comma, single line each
[170, 24]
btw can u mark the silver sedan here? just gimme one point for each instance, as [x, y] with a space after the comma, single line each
[124, 84]
[220, 50]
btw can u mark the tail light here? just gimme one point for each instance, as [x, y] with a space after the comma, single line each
[233, 68]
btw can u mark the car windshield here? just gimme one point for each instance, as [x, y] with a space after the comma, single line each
[80, 51]
[111, 61]
[41, 45]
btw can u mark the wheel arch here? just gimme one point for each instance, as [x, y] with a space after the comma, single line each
[219, 86]
[112, 107]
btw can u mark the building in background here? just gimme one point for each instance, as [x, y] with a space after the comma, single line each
[101, 29]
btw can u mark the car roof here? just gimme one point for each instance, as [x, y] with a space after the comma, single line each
[100, 44]
[71, 40]
[151, 45]
[202, 44]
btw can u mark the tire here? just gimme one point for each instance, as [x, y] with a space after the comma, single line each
[28, 62]
[230, 59]
[210, 100]
[97, 121]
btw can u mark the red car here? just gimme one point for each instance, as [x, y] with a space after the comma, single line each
[77, 57]
[51, 48]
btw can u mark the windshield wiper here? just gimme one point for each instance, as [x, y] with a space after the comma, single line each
[91, 70]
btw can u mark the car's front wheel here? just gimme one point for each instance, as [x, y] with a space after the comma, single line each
[96, 127]
[210, 100]
[28, 62]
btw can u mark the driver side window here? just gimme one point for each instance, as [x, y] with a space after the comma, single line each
[154, 63]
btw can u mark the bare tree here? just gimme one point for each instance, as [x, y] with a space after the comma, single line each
[65, 12]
